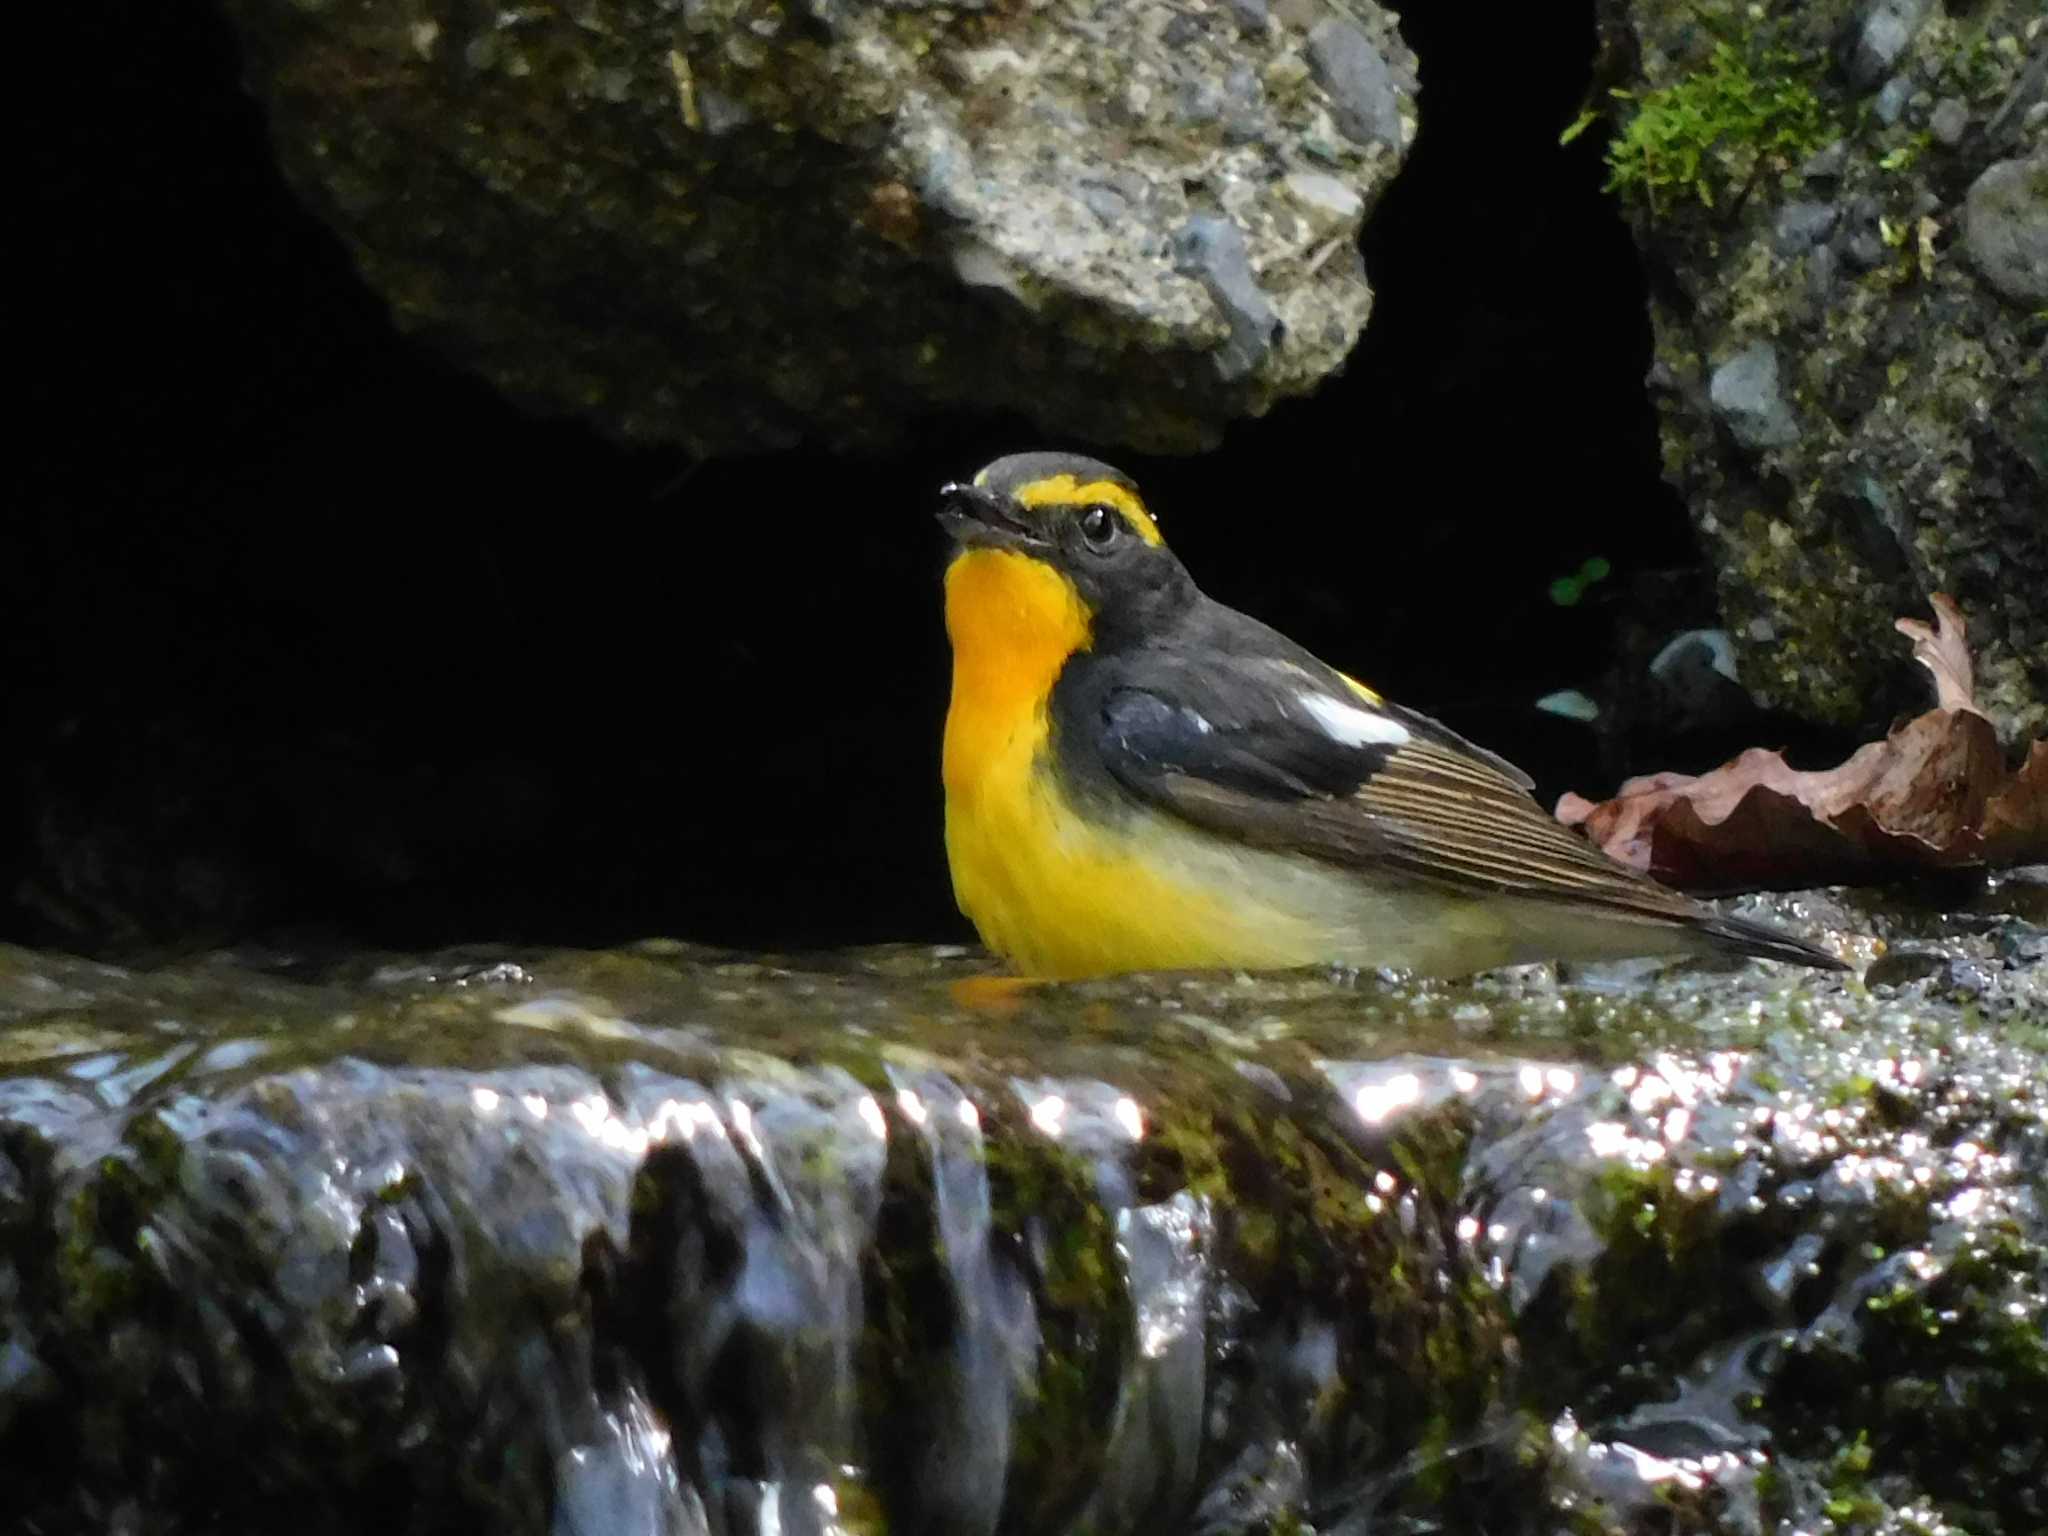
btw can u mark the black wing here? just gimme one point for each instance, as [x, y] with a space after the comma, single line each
[1234, 728]
[1285, 753]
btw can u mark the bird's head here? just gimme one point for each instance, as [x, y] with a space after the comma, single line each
[1085, 534]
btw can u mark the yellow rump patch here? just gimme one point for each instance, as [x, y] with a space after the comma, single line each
[1071, 491]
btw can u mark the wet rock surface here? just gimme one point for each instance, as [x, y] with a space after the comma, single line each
[1868, 214]
[668, 1240]
[739, 224]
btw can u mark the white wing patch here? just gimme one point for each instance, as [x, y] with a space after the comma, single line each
[1351, 725]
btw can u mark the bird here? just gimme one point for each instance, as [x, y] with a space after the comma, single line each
[1139, 778]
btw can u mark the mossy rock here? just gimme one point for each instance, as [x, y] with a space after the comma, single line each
[1799, 178]
[666, 1239]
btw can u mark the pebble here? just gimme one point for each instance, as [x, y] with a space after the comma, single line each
[1745, 395]
[1858, 238]
[1827, 163]
[1879, 42]
[1324, 194]
[2005, 228]
[1949, 121]
[1801, 226]
[1891, 101]
[1251, 15]
[1211, 249]
[1355, 76]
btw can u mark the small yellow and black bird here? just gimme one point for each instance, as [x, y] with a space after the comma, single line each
[1139, 778]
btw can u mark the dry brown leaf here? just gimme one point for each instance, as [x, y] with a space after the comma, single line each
[2017, 815]
[1935, 793]
[1944, 651]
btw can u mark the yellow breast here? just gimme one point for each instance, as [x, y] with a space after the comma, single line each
[1054, 890]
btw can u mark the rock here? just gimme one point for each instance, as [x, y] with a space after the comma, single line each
[1906, 351]
[1213, 249]
[2024, 110]
[1251, 15]
[736, 225]
[2005, 227]
[1325, 195]
[676, 1240]
[1860, 239]
[1106, 203]
[1364, 90]
[1801, 226]
[1820, 278]
[1881, 37]
[1693, 683]
[1949, 120]
[1747, 399]
[1891, 101]
[1903, 966]
[1966, 980]
[2020, 944]
[1570, 704]
[1826, 163]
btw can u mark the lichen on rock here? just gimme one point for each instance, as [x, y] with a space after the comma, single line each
[739, 223]
[1849, 359]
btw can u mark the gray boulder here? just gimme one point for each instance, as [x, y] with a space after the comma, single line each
[734, 224]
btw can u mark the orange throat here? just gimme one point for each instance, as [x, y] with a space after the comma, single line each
[1014, 622]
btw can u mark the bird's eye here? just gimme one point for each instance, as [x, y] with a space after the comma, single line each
[1100, 526]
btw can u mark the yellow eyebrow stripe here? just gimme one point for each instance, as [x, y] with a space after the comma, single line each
[1067, 490]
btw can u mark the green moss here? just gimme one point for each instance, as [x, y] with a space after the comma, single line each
[1050, 1229]
[1046, 1196]
[859, 1510]
[1183, 1153]
[1423, 1348]
[1849, 1497]
[1948, 1383]
[1751, 110]
[908, 1377]
[1904, 156]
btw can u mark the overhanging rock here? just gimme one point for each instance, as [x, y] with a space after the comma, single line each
[733, 224]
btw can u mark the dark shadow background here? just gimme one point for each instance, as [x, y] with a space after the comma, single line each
[306, 634]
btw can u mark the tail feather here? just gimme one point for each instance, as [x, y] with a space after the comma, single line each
[1740, 936]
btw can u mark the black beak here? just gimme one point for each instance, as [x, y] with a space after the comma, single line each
[976, 516]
